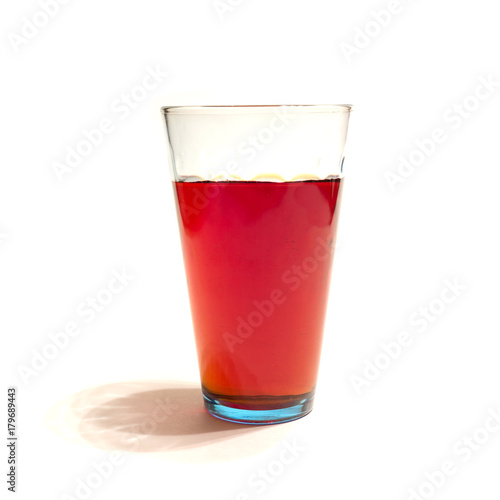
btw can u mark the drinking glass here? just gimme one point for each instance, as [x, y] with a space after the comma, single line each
[257, 192]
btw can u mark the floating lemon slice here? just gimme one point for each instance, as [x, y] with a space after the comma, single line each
[269, 177]
[306, 177]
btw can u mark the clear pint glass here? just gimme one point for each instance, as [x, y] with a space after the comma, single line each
[258, 192]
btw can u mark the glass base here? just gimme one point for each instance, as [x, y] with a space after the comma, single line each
[258, 410]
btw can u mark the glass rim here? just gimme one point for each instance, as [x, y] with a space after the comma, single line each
[256, 108]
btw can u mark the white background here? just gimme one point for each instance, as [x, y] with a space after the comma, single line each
[60, 242]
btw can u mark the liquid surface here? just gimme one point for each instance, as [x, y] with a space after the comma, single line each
[258, 258]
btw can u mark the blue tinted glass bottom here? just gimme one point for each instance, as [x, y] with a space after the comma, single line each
[258, 410]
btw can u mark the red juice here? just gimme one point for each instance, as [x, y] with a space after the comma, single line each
[258, 258]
